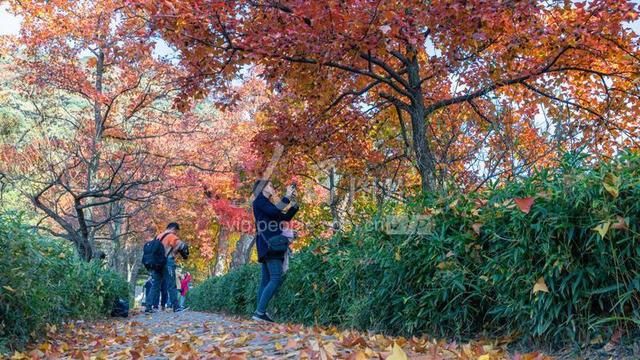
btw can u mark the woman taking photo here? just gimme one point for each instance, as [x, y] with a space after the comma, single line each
[272, 245]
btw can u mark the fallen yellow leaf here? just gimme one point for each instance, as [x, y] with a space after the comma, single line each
[19, 356]
[602, 229]
[397, 353]
[241, 341]
[611, 183]
[540, 286]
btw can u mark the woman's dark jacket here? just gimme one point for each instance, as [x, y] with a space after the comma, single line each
[268, 223]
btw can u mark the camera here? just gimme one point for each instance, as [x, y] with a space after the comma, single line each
[183, 250]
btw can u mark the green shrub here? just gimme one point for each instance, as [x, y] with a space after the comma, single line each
[43, 281]
[451, 281]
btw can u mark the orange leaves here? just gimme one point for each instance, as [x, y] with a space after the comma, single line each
[342, 50]
[353, 340]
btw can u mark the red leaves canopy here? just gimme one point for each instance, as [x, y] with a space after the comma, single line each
[492, 65]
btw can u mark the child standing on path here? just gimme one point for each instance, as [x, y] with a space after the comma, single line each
[184, 287]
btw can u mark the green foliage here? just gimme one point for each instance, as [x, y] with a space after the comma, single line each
[473, 268]
[235, 292]
[43, 281]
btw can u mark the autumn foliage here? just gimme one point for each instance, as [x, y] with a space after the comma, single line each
[373, 102]
[438, 86]
[95, 146]
[119, 116]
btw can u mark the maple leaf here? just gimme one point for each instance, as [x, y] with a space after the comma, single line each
[524, 204]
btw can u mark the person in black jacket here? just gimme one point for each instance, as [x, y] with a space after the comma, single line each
[269, 218]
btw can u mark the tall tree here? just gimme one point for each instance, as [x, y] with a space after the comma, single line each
[454, 72]
[97, 123]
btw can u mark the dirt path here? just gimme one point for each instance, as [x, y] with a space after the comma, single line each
[197, 335]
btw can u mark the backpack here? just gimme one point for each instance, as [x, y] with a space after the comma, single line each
[153, 256]
[120, 308]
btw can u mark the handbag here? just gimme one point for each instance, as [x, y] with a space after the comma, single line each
[278, 244]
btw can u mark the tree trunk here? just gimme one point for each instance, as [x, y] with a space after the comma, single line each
[221, 257]
[425, 160]
[84, 249]
[242, 253]
[83, 244]
[94, 163]
[333, 200]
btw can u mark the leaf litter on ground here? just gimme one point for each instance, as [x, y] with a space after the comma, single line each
[195, 335]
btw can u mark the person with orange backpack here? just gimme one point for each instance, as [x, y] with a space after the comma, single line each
[159, 258]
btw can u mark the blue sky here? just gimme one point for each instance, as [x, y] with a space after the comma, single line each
[9, 24]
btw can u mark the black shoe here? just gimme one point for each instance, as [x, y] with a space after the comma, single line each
[263, 317]
[150, 311]
[179, 309]
[162, 307]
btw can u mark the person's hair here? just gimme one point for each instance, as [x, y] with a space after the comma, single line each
[173, 225]
[258, 186]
